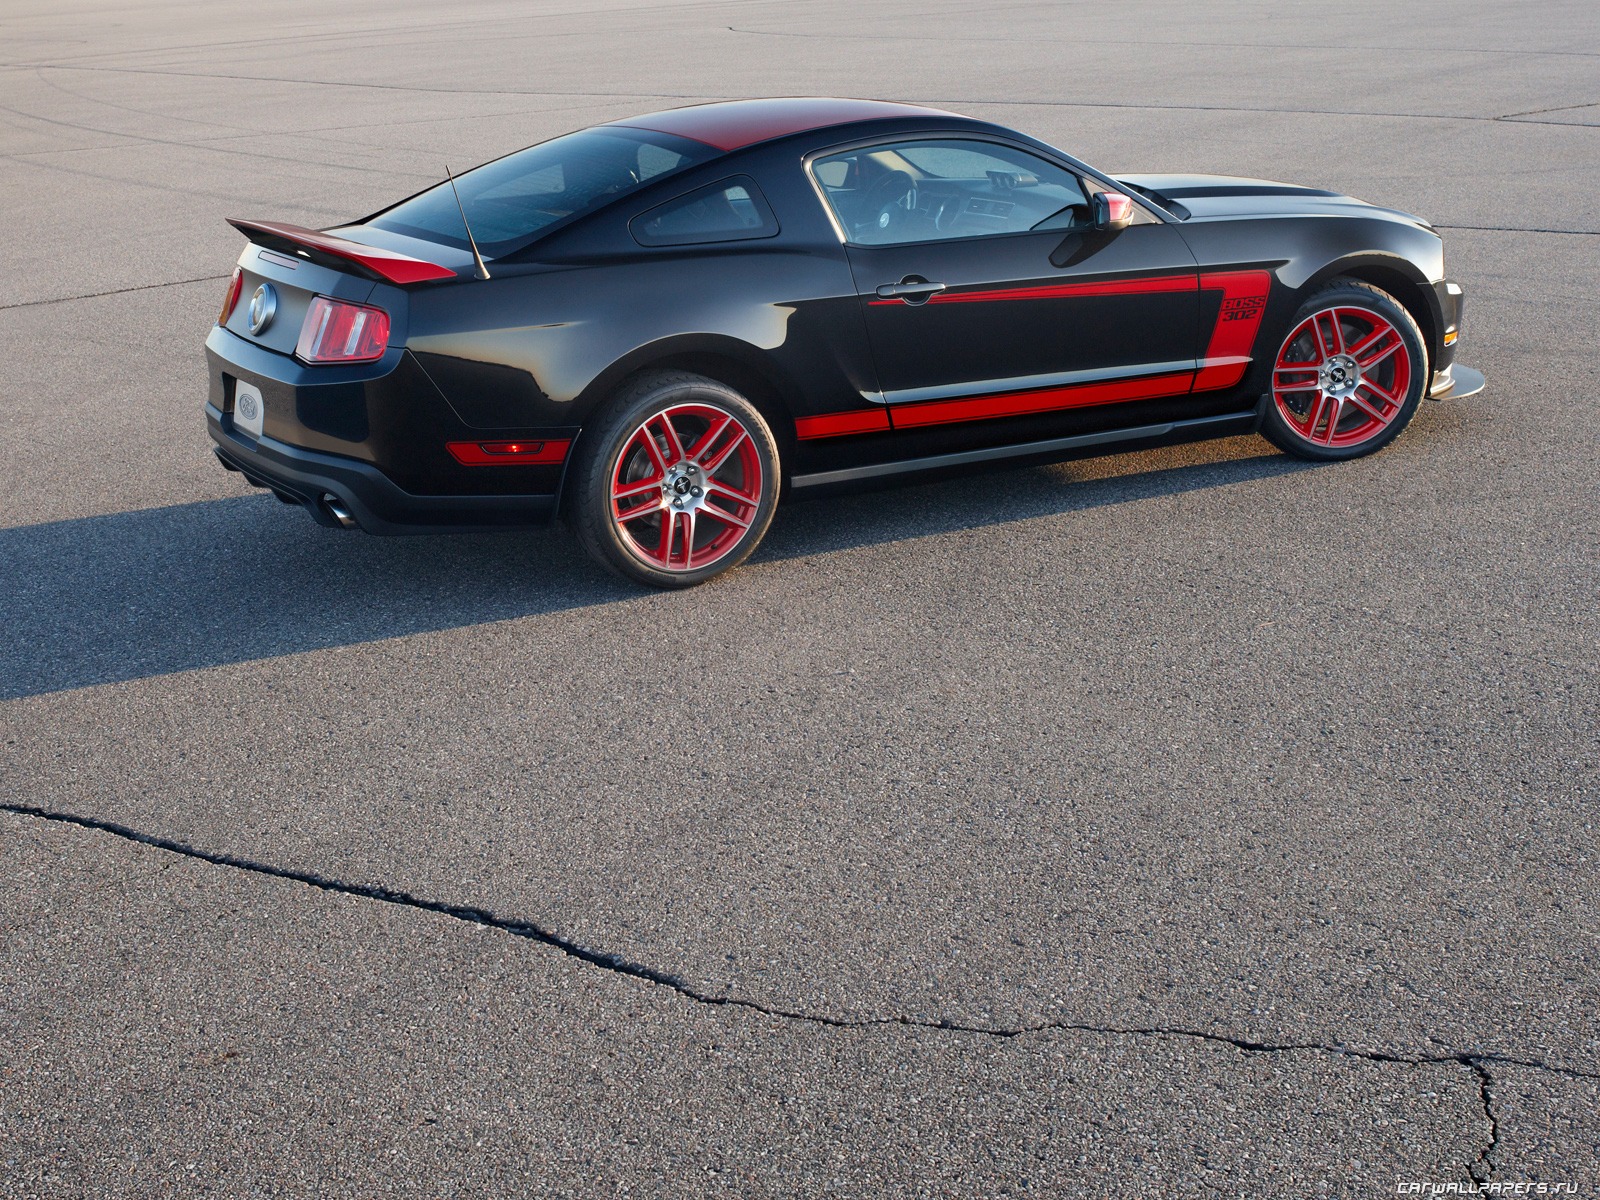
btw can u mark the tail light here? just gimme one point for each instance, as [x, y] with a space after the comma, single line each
[336, 331]
[231, 300]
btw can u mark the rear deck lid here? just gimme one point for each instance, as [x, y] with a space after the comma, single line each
[276, 290]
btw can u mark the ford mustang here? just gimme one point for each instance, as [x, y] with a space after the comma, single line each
[657, 326]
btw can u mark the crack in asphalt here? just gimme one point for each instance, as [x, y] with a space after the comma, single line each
[1479, 1171]
[475, 915]
[1482, 1170]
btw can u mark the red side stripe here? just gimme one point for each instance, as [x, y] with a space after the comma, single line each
[867, 420]
[1244, 303]
[1057, 291]
[1018, 404]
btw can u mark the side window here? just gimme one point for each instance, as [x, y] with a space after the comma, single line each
[732, 210]
[936, 189]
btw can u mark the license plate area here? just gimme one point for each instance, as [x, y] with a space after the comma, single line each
[249, 409]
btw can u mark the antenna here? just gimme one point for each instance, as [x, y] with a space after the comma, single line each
[483, 271]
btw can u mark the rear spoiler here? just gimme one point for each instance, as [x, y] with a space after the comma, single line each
[384, 265]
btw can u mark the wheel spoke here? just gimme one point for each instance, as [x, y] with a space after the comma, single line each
[717, 488]
[727, 518]
[669, 522]
[1361, 347]
[688, 539]
[1360, 402]
[647, 440]
[714, 463]
[1382, 393]
[629, 490]
[1319, 406]
[708, 439]
[1336, 346]
[1373, 360]
[663, 422]
[643, 510]
[1333, 418]
[1316, 332]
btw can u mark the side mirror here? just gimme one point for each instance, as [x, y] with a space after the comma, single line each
[1112, 211]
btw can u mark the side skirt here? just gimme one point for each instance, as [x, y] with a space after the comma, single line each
[1057, 448]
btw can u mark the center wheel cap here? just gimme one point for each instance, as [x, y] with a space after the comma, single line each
[681, 488]
[1339, 375]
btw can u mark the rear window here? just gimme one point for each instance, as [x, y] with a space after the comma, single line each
[513, 199]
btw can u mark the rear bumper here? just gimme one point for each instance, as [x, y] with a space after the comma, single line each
[378, 504]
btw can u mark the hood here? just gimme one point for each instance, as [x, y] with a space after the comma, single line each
[1212, 196]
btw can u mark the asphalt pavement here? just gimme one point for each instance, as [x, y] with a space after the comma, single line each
[1189, 823]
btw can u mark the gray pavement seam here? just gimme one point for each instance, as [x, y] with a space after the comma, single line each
[143, 287]
[1509, 118]
[198, 144]
[1521, 229]
[834, 35]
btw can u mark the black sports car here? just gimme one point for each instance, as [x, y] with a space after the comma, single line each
[657, 325]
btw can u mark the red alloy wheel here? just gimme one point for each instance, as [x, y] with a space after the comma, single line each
[686, 487]
[1342, 376]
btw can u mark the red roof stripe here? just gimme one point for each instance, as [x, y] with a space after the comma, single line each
[735, 124]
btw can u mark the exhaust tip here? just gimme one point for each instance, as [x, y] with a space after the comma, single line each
[337, 509]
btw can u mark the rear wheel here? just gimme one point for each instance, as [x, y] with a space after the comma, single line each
[678, 481]
[1348, 376]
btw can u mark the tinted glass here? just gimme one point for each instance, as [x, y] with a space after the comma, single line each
[510, 200]
[728, 211]
[932, 190]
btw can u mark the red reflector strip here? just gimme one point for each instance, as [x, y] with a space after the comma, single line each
[395, 267]
[1021, 404]
[867, 420]
[509, 454]
[1059, 291]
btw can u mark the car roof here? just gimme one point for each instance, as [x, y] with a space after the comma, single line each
[734, 124]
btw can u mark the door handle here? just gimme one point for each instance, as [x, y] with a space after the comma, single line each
[910, 289]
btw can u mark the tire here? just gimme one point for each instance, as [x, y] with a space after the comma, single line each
[675, 481]
[1348, 375]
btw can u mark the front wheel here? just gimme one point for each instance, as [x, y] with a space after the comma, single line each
[677, 482]
[1348, 376]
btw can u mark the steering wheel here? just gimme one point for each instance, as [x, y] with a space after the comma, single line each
[889, 201]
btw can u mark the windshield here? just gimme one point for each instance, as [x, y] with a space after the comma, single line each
[510, 200]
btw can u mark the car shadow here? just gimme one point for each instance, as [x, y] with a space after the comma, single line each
[129, 595]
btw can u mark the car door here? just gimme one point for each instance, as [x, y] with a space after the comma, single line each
[995, 310]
